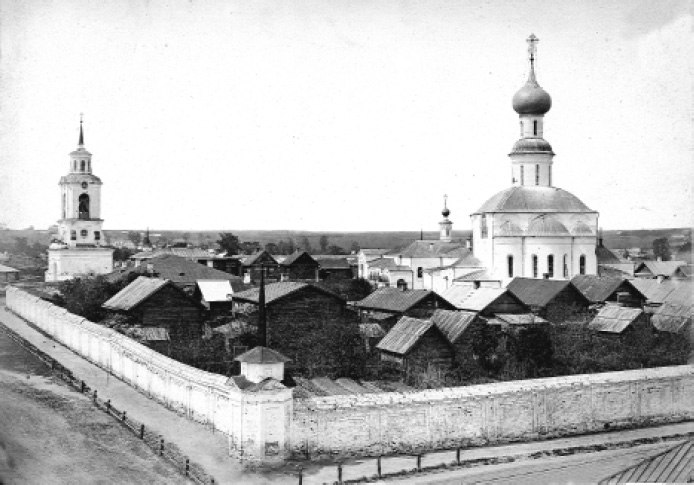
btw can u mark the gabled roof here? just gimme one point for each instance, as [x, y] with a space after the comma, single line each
[479, 275]
[453, 323]
[262, 355]
[659, 268]
[617, 269]
[673, 317]
[605, 256]
[254, 258]
[7, 269]
[333, 263]
[519, 319]
[614, 318]
[536, 292]
[394, 299]
[301, 257]
[135, 293]
[188, 253]
[467, 261]
[657, 292]
[480, 298]
[215, 290]
[179, 270]
[597, 289]
[675, 465]
[276, 291]
[404, 335]
[432, 249]
[387, 263]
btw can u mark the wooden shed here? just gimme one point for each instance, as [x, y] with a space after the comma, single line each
[554, 300]
[153, 302]
[602, 289]
[616, 320]
[397, 302]
[299, 266]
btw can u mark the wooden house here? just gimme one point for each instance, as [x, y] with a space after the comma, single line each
[602, 289]
[215, 296]
[485, 301]
[394, 302]
[554, 300]
[299, 266]
[658, 269]
[413, 346]
[261, 261]
[335, 268]
[8, 274]
[154, 302]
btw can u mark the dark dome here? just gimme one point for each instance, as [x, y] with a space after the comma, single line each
[445, 212]
[532, 145]
[531, 99]
[533, 199]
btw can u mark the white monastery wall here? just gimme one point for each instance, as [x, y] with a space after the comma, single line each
[202, 396]
[462, 416]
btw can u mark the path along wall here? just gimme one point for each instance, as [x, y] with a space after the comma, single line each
[209, 398]
[371, 424]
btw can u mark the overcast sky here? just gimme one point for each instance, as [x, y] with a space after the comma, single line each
[340, 115]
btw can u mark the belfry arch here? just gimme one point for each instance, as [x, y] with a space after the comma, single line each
[84, 206]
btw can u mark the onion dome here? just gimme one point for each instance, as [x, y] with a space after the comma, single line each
[532, 145]
[445, 212]
[534, 198]
[531, 99]
[547, 226]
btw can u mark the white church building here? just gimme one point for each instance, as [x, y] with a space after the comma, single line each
[77, 249]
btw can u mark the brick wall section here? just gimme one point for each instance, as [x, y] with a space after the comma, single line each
[372, 424]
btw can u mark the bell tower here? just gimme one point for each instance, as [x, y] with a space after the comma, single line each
[78, 248]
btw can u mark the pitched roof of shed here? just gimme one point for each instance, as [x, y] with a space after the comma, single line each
[393, 299]
[519, 318]
[293, 258]
[479, 275]
[480, 298]
[135, 293]
[658, 292]
[404, 335]
[279, 290]
[253, 258]
[675, 465]
[215, 290]
[604, 255]
[536, 292]
[673, 317]
[660, 268]
[262, 355]
[453, 323]
[598, 288]
[614, 318]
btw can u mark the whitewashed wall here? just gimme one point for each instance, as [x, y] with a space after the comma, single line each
[202, 396]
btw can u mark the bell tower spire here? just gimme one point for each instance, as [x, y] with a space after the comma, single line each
[446, 225]
[80, 143]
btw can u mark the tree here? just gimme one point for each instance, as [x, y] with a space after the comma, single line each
[354, 248]
[84, 297]
[323, 244]
[135, 237]
[229, 243]
[305, 245]
[250, 247]
[122, 254]
[661, 249]
[272, 248]
[335, 249]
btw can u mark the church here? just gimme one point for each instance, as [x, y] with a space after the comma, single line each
[78, 248]
[534, 229]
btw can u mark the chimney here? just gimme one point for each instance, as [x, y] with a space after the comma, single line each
[468, 243]
[150, 269]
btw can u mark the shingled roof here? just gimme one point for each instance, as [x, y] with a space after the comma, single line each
[299, 256]
[135, 293]
[453, 323]
[279, 290]
[538, 293]
[673, 317]
[404, 335]
[394, 299]
[262, 355]
[614, 319]
[599, 288]
[659, 268]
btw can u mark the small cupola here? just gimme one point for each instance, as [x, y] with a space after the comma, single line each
[262, 363]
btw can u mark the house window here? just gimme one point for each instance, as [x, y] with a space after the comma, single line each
[537, 175]
[550, 265]
[483, 226]
[73, 235]
[582, 264]
[509, 261]
[566, 268]
[535, 128]
[420, 272]
[522, 174]
[534, 260]
[83, 233]
[97, 235]
[401, 284]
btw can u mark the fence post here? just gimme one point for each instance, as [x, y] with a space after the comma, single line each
[142, 431]
[419, 463]
[82, 386]
[187, 466]
[124, 417]
[95, 396]
[457, 456]
[108, 407]
[161, 447]
[339, 473]
[301, 475]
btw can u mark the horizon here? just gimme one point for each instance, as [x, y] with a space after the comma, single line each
[337, 118]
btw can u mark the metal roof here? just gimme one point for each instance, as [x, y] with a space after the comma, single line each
[598, 288]
[673, 317]
[262, 355]
[614, 318]
[276, 291]
[393, 299]
[519, 318]
[453, 323]
[534, 199]
[479, 275]
[432, 249]
[658, 292]
[135, 293]
[536, 292]
[480, 298]
[215, 290]
[404, 335]
[675, 465]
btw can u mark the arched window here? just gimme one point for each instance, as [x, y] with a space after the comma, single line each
[550, 265]
[582, 264]
[534, 260]
[402, 284]
[537, 174]
[535, 127]
[521, 123]
[483, 226]
[509, 260]
[522, 174]
[566, 268]
[82, 165]
[84, 206]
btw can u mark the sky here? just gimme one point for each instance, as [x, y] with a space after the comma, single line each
[340, 115]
